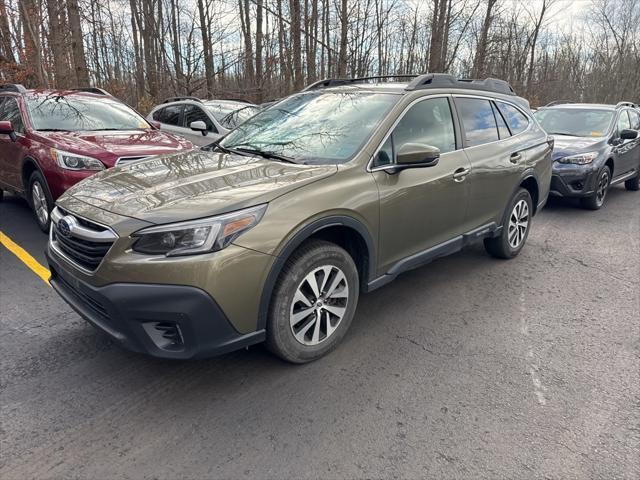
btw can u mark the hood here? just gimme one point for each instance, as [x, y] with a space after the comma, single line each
[108, 146]
[190, 185]
[565, 145]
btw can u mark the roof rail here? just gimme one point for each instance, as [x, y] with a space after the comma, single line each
[239, 100]
[444, 80]
[339, 82]
[178, 99]
[96, 90]
[626, 104]
[12, 87]
[557, 102]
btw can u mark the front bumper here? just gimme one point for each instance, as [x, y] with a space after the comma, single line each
[167, 321]
[573, 180]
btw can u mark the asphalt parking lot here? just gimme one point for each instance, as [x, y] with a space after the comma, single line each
[467, 368]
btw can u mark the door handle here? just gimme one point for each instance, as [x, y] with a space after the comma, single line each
[515, 157]
[460, 174]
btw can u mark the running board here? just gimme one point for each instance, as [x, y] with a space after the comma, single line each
[430, 254]
[624, 177]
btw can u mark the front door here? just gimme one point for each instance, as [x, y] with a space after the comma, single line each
[421, 207]
[11, 153]
[627, 150]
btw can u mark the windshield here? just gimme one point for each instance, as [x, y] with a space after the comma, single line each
[232, 115]
[577, 122]
[314, 127]
[80, 112]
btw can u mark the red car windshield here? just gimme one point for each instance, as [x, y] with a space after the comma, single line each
[54, 112]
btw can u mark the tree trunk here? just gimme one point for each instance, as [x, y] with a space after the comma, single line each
[77, 45]
[479, 67]
[296, 42]
[344, 25]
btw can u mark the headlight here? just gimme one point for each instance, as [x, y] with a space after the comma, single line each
[580, 159]
[73, 161]
[198, 236]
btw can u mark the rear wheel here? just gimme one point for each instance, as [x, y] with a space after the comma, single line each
[515, 227]
[596, 199]
[313, 303]
[40, 200]
[633, 184]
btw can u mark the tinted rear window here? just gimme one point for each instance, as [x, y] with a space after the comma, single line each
[478, 121]
[169, 115]
[518, 121]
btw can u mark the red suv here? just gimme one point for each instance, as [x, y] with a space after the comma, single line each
[52, 139]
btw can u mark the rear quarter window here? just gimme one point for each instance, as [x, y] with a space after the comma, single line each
[517, 121]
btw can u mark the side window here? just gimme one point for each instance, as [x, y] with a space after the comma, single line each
[169, 115]
[623, 121]
[193, 114]
[635, 119]
[479, 123]
[517, 121]
[9, 110]
[503, 130]
[428, 122]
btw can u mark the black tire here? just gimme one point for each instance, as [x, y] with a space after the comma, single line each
[313, 255]
[501, 246]
[597, 198]
[36, 181]
[633, 184]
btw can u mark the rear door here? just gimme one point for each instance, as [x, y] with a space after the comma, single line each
[421, 207]
[496, 156]
[12, 153]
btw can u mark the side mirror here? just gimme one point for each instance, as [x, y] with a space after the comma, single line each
[155, 124]
[417, 155]
[628, 134]
[199, 126]
[7, 129]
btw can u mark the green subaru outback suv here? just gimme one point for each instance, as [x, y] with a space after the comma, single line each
[272, 233]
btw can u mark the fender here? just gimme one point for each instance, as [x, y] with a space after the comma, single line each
[297, 240]
[527, 174]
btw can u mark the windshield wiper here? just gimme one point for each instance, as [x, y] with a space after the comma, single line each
[264, 154]
[53, 130]
[568, 134]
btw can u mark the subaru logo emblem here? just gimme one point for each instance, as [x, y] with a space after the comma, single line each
[66, 224]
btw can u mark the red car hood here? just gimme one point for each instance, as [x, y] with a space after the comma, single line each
[108, 146]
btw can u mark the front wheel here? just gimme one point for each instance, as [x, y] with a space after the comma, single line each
[515, 227]
[596, 199]
[40, 200]
[313, 302]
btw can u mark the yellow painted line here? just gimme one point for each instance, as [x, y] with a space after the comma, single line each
[25, 258]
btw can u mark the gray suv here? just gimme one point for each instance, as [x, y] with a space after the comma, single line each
[272, 233]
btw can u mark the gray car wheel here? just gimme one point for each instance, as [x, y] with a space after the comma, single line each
[313, 303]
[515, 227]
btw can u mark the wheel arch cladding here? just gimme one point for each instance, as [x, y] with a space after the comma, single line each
[28, 167]
[344, 231]
[531, 185]
[609, 163]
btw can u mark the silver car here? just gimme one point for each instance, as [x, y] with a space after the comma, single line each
[201, 121]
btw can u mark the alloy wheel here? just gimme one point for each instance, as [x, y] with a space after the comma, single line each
[40, 205]
[603, 185]
[319, 305]
[518, 223]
